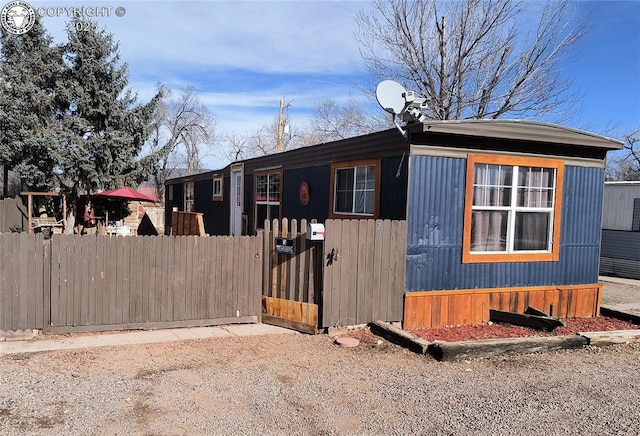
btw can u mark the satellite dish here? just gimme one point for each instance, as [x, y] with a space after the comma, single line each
[391, 96]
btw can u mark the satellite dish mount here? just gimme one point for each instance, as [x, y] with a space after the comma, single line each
[404, 105]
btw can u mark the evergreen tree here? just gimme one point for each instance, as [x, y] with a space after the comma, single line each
[29, 68]
[104, 129]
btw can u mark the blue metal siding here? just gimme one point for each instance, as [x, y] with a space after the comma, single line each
[435, 228]
[393, 188]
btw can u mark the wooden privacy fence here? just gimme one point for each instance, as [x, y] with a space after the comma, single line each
[91, 283]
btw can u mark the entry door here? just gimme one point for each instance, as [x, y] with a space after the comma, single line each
[236, 206]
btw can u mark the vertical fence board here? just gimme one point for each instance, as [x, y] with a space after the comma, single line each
[155, 263]
[117, 280]
[99, 263]
[46, 290]
[33, 287]
[274, 256]
[89, 289]
[202, 278]
[76, 289]
[386, 291]
[292, 262]
[283, 276]
[361, 268]
[163, 253]
[196, 311]
[372, 287]
[80, 280]
[243, 281]
[167, 256]
[236, 272]
[347, 265]
[22, 298]
[266, 271]
[4, 280]
[172, 278]
[55, 296]
[227, 278]
[302, 265]
[142, 245]
[216, 263]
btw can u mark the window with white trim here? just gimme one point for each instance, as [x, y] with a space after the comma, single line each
[355, 189]
[512, 208]
[217, 187]
[188, 197]
[267, 199]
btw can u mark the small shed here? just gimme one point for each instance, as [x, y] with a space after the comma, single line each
[500, 214]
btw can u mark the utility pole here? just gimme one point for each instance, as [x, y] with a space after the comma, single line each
[280, 126]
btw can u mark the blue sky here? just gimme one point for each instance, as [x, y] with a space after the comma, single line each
[243, 57]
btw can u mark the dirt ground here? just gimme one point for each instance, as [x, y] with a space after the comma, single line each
[300, 384]
[624, 293]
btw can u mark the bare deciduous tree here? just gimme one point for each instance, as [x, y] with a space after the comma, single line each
[626, 166]
[261, 142]
[331, 121]
[473, 58]
[184, 132]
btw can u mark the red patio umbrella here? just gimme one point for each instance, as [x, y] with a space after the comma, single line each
[126, 194]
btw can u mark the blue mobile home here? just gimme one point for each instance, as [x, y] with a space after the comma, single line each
[500, 214]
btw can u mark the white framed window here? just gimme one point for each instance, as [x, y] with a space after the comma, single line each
[188, 197]
[355, 188]
[217, 187]
[512, 209]
[268, 189]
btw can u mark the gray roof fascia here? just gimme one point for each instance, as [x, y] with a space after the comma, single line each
[521, 130]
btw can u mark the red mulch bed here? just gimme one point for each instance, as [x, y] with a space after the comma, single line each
[500, 331]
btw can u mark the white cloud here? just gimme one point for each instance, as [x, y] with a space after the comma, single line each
[242, 57]
[270, 36]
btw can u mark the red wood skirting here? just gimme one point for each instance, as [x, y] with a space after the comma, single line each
[431, 309]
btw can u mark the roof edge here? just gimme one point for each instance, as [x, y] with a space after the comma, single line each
[524, 130]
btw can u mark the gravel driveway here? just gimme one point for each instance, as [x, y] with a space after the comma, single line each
[298, 384]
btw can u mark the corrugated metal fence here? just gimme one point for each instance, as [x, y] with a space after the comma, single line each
[91, 283]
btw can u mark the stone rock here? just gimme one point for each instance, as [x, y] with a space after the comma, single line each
[347, 342]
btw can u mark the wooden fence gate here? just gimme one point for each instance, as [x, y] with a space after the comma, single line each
[364, 271]
[291, 283]
[355, 276]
